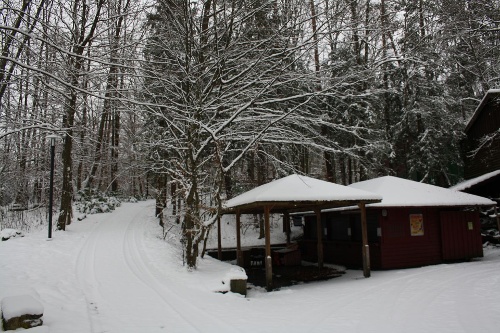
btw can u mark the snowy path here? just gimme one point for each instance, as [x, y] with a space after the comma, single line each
[124, 293]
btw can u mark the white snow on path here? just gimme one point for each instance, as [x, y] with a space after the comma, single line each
[125, 293]
[120, 290]
[112, 273]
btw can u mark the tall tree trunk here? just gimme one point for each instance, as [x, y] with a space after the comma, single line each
[161, 197]
[66, 210]
[191, 216]
[116, 112]
[80, 40]
[355, 30]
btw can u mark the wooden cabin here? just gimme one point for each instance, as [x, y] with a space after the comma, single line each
[484, 122]
[415, 225]
[481, 155]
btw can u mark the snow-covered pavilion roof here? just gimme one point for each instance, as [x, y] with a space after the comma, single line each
[299, 192]
[398, 192]
[474, 181]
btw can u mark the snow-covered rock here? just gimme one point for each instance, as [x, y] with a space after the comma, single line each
[235, 273]
[236, 279]
[22, 311]
[7, 234]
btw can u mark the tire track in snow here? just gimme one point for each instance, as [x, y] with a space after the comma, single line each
[85, 272]
[135, 256]
[119, 301]
[124, 292]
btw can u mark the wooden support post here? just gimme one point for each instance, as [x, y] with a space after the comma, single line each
[319, 236]
[239, 259]
[219, 239]
[364, 236]
[269, 262]
[286, 224]
[498, 218]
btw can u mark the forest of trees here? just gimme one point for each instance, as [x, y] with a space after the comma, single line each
[193, 102]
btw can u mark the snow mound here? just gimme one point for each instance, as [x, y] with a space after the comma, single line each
[235, 273]
[10, 233]
[17, 306]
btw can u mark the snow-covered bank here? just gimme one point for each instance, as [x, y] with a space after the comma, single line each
[112, 272]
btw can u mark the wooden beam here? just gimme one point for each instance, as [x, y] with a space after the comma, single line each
[292, 206]
[239, 259]
[269, 262]
[286, 224]
[219, 239]
[364, 236]
[319, 236]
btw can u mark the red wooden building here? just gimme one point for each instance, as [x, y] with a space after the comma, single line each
[416, 224]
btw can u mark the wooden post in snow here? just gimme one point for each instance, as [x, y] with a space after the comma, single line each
[498, 218]
[319, 236]
[364, 235]
[219, 239]
[268, 261]
[239, 259]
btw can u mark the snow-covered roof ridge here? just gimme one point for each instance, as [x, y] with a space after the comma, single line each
[399, 192]
[474, 181]
[300, 188]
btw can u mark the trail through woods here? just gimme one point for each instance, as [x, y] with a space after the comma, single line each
[124, 293]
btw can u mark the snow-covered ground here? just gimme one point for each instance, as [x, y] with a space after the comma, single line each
[113, 273]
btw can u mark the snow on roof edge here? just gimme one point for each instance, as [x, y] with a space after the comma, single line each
[466, 184]
[382, 206]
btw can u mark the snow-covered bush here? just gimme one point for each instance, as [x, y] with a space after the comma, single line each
[93, 202]
[24, 220]
[8, 233]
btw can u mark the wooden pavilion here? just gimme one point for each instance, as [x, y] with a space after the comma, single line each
[297, 193]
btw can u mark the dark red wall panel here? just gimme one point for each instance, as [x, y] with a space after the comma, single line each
[461, 235]
[400, 249]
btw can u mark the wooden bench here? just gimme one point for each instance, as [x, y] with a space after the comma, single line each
[289, 256]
